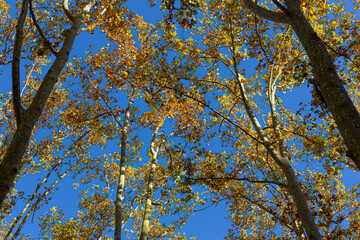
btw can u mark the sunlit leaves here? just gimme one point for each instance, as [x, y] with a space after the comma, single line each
[180, 75]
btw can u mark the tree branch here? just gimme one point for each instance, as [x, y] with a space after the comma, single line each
[269, 211]
[51, 77]
[241, 179]
[266, 14]
[344, 53]
[274, 115]
[293, 5]
[260, 43]
[46, 42]
[217, 113]
[282, 8]
[40, 197]
[65, 7]
[18, 108]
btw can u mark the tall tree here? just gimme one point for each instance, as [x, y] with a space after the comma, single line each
[153, 152]
[325, 74]
[234, 134]
[26, 119]
[223, 42]
[326, 78]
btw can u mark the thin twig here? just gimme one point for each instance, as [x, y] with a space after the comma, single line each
[241, 179]
[217, 113]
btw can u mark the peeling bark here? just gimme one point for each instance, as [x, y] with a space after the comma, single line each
[121, 182]
[153, 158]
[283, 162]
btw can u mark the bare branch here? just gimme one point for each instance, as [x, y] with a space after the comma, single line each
[266, 14]
[217, 113]
[65, 7]
[40, 197]
[35, 205]
[269, 211]
[343, 54]
[241, 179]
[18, 108]
[47, 43]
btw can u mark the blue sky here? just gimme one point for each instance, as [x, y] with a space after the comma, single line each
[200, 224]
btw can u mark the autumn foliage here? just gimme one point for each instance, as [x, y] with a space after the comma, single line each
[215, 104]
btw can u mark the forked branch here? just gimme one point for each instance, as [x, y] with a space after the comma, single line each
[265, 13]
[65, 7]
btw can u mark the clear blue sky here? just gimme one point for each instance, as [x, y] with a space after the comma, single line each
[206, 225]
[199, 225]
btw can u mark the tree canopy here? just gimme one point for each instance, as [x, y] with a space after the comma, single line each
[119, 125]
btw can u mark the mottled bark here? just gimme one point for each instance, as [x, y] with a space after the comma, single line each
[337, 100]
[9, 166]
[283, 162]
[280, 156]
[121, 182]
[147, 209]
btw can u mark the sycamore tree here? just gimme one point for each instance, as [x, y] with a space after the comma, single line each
[98, 113]
[325, 75]
[161, 190]
[309, 20]
[229, 37]
[28, 113]
[163, 120]
[139, 69]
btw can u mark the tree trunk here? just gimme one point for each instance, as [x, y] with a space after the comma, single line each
[146, 219]
[283, 162]
[337, 100]
[26, 119]
[297, 194]
[121, 183]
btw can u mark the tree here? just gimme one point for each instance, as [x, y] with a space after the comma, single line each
[278, 151]
[337, 100]
[223, 43]
[325, 76]
[132, 71]
[26, 119]
[215, 95]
